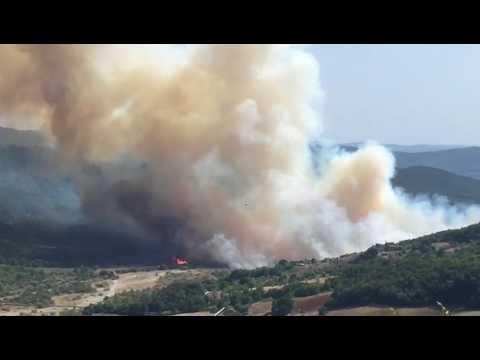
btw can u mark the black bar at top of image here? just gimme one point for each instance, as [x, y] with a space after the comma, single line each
[237, 23]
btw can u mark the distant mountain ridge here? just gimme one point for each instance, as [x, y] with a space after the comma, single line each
[412, 148]
[463, 161]
[417, 180]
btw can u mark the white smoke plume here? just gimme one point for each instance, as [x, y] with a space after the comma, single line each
[225, 130]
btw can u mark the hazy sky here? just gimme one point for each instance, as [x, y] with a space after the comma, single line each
[405, 94]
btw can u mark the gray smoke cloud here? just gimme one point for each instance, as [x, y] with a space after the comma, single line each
[215, 138]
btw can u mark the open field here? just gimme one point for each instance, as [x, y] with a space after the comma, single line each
[107, 288]
[125, 282]
[201, 313]
[261, 308]
[304, 306]
[467, 313]
[384, 311]
[363, 311]
[309, 305]
[422, 311]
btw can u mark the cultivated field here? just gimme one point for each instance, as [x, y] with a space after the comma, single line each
[384, 311]
[309, 306]
[467, 313]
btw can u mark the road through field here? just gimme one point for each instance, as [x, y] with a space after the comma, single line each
[139, 280]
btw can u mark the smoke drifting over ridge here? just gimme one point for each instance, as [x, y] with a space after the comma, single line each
[224, 131]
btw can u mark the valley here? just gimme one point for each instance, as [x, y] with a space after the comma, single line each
[223, 180]
[61, 268]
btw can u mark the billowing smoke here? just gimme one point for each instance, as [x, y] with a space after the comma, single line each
[215, 140]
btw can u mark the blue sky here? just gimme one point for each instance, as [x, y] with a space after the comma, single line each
[404, 94]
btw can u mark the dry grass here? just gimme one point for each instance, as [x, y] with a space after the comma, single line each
[200, 313]
[125, 282]
[384, 311]
[262, 308]
[364, 311]
[310, 305]
[423, 311]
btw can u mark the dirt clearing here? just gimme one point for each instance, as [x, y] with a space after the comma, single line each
[260, 308]
[309, 305]
[127, 281]
[384, 311]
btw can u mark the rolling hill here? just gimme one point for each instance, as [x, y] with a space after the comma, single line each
[461, 161]
[410, 276]
[464, 161]
[20, 137]
[41, 243]
[443, 267]
[33, 188]
[418, 180]
[40, 206]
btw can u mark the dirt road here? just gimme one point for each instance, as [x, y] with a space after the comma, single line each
[107, 288]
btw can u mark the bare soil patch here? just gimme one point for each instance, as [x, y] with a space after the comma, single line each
[384, 311]
[467, 313]
[308, 306]
[364, 311]
[422, 311]
[200, 313]
[262, 308]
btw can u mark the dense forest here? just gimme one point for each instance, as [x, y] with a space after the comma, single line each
[421, 276]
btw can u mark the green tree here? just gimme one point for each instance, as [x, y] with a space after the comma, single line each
[282, 306]
[283, 262]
